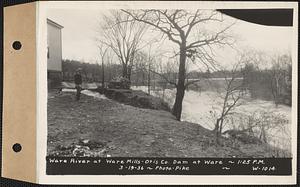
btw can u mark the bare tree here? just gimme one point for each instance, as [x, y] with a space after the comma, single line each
[151, 59]
[183, 27]
[102, 51]
[109, 64]
[280, 77]
[140, 67]
[123, 37]
[233, 92]
[261, 126]
[143, 68]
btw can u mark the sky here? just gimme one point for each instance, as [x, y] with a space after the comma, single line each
[80, 25]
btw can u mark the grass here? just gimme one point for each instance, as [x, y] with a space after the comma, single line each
[104, 127]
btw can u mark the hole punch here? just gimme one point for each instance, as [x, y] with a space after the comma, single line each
[17, 147]
[17, 45]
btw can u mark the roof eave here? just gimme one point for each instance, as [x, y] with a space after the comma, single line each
[54, 23]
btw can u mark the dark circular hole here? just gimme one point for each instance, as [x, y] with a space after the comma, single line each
[17, 147]
[17, 45]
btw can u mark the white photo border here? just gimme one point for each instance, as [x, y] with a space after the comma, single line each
[44, 6]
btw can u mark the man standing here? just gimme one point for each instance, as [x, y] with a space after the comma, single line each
[78, 82]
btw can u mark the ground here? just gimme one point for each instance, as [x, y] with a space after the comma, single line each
[97, 126]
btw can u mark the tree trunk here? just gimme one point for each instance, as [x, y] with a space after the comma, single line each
[177, 108]
[217, 125]
[137, 78]
[109, 74]
[103, 75]
[217, 131]
[149, 79]
[129, 73]
[221, 126]
[154, 81]
[124, 72]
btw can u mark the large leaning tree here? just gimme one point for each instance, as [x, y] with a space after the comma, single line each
[185, 28]
[123, 37]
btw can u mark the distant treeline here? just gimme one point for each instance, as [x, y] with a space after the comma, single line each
[93, 72]
[90, 72]
[269, 84]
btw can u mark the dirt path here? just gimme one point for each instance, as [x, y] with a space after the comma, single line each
[103, 127]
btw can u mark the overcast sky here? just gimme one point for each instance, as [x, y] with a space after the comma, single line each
[80, 30]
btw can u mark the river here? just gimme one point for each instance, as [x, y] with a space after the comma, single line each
[203, 107]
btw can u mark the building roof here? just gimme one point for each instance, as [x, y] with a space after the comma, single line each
[54, 23]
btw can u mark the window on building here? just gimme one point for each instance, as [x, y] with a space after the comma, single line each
[48, 54]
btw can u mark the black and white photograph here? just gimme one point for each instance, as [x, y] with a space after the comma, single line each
[169, 83]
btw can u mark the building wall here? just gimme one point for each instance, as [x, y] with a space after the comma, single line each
[54, 52]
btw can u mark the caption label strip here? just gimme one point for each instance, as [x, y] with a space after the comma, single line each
[168, 166]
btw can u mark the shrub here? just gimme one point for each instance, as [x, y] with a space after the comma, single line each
[119, 83]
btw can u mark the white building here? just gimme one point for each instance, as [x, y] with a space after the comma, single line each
[54, 53]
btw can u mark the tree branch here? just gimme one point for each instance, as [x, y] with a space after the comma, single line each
[162, 29]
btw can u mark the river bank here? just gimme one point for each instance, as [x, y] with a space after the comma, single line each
[98, 126]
